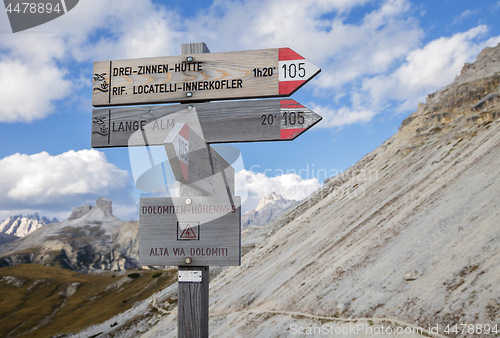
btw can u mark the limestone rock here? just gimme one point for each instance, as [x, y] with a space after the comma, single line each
[105, 205]
[80, 211]
[268, 209]
[412, 275]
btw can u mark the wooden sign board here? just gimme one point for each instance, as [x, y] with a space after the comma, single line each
[196, 164]
[200, 77]
[240, 121]
[205, 229]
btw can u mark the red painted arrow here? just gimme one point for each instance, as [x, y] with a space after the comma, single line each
[201, 77]
[294, 71]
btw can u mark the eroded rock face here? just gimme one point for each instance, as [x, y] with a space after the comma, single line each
[469, 100]
[105, 205]
[102, 203]
[408, 232]
[269, 208]
[20, 226]
[91, 239]
[80, 211]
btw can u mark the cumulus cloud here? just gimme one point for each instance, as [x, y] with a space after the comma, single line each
[33, 64]
[375, 61]
[425, 70]
[29, 90]
[343, 116]
[59, 182]
[255, 186]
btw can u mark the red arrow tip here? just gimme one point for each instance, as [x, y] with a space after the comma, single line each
[184, 132]
[286, 54]
[288, 104]
[288, 87]
[289, 134]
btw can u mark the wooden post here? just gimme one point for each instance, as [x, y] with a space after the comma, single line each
[193, 306]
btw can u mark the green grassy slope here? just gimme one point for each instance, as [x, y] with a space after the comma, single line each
[38, 300]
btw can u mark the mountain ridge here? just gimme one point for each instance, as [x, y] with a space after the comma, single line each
[94, 240]
[268, 209]
[406, 237]
[19, 225]
[416, 241]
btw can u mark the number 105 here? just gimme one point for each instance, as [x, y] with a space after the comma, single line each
[293, 70]
[291, 118]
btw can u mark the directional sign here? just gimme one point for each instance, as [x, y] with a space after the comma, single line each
[197, 164]
[200, 77]
[213, 238]
[240, 121]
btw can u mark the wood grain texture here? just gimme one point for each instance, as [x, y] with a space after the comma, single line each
[193, 318]
[217, 67]
[194, 48]
[216, 122]
[219, 231]
[193, 305]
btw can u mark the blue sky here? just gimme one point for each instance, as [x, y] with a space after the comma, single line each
[378, 60]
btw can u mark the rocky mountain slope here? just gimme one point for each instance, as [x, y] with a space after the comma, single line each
[267, 210]
[92, 238]
[42, 301]
[411, 232]
[6, 238]
[22, 225]
[407, 238]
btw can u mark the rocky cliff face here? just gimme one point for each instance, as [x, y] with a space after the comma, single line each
[22, 225]
[407, 237]
[92, 238]
[267, 210]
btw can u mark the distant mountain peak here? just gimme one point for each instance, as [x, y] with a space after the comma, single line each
[271, 198]
[91, 239]
[268, 209]
[102, 203]
[20, 225]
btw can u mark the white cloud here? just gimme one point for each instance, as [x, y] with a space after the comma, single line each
[258, 185]
[60, 182]
[465, 14]
[425, 70]
[32, 63]
[128, 30]
[28, 90]
[369, 48]
[343, 116]
[373, 60]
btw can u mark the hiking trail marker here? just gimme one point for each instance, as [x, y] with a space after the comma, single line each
[205, 229]
[188, 230]
[194, 232]
[196, 164]
[200, 77]
[220, 122]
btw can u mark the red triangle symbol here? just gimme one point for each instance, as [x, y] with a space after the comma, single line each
[188, 232]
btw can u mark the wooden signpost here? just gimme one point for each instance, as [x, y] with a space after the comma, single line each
[239, 121]
[205, 230]
[194, 232]
[201, 77]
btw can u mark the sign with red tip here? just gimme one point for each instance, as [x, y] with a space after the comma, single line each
[201, 77]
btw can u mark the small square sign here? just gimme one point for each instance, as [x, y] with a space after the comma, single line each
[188, 231]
